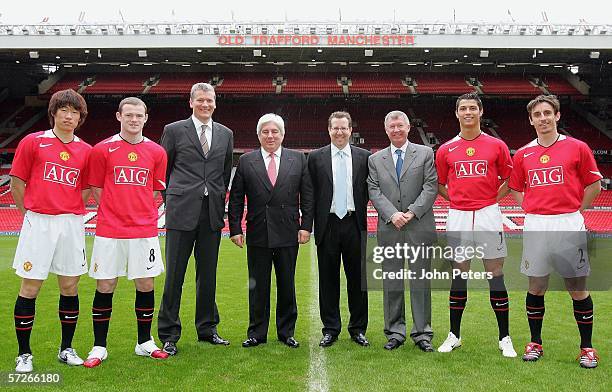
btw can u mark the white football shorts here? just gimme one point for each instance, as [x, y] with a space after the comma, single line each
[50, 243]
[555, 242]
[482, 229]
[135, 257]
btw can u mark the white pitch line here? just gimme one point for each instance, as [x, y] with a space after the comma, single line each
[317, 370]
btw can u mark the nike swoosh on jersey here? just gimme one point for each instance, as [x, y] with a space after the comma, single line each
[453, 149]
[148, 268]
[41, 145]
[110, 149]
[526, 155]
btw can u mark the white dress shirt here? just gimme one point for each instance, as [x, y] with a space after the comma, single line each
[350, 202]
[266, 158]
[198, 126]
[394, 154]
[208, 134]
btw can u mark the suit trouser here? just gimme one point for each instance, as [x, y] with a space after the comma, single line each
[342, 239]
[205, 245]
[260, 261]
[420, 301]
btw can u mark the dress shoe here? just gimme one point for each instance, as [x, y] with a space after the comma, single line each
[425, 346]
[291, 342]
[360, 339]
[327, 340]
[252, 342]
[392, 344]
[215, 339]
[170, 348]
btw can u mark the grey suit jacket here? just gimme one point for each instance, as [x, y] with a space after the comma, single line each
[189, 172]
[416, 191]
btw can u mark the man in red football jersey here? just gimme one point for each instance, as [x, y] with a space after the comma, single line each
[127, 171]
[53, 165]
[555, 178]
[473, 170]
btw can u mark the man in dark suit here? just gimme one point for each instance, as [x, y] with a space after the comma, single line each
[403, 185]
[199, 169]
[339, 173]
[276, 184]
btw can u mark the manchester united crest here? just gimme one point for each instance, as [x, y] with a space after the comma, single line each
[27, 266]
[64, 156]
[544, 159]
[132, 157]
[470, 151]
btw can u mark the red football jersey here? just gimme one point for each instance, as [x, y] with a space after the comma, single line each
[553, 178]
[128, 174]
[55, 173]
[472, 170]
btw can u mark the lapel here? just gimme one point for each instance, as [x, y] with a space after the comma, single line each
[286, 162]
[388, 163]
[214, 140]
[409, 158]
[355, 167]
[259, 167]
[327, 164]
[192, 135]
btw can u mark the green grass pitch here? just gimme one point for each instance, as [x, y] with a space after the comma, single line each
[477, 366]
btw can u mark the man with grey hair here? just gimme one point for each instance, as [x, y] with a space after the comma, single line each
[277, 185]
[403, 185]
[198, 175]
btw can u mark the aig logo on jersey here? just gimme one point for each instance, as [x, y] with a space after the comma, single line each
[131, 175]
[477, 168]
[61, 174]
[545, 176]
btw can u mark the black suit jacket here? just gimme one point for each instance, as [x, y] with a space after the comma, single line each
[320, 169]
[273, 217]
[189, 171]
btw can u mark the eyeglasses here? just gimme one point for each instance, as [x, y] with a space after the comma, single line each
[343, 129]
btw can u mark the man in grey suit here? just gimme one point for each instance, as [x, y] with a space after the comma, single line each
[198, 175]
[402, 184]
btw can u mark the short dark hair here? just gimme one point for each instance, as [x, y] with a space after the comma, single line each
[340, 115]
[549, 99]
[65, 98]
[131, 101]
[472, 96]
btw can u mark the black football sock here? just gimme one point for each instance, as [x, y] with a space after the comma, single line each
[101, 315]
[583, 313]
[144, 306]
[24, 320]
[498, 295]
[68, 315]
[535, 316]
[456, 304]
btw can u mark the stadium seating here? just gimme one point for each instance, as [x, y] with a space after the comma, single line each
[377, 84]
[507, 84]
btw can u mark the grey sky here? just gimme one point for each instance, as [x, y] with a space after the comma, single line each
[522, 11]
